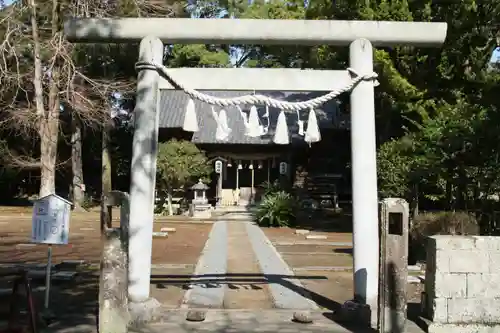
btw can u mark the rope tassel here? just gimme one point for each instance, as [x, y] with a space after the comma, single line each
[190, 119]
[223, 131]
[300, 123]
[254, 129]
[281, 133]
[265, 129]
[312, 132]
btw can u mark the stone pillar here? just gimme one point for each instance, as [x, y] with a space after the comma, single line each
[364, 180]
[394, 222]
[113, 301]
[143, 173]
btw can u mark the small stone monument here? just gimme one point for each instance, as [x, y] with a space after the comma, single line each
[199, 206]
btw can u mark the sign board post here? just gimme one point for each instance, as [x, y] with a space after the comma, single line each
[50, 225]
[218, 167]
[218, 171]
[283, 168]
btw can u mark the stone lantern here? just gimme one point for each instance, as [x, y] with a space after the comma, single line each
[199, 193]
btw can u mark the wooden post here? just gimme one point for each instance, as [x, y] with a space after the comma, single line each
[268, 171]
[252, 192]
[219, 188]
[238, 183]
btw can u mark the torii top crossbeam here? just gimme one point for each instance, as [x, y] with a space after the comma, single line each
[253, 31]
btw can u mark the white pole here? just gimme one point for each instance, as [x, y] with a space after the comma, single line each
[143, 173]
[364, 179]
[47, 277]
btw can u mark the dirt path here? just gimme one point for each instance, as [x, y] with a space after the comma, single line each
[246, 288]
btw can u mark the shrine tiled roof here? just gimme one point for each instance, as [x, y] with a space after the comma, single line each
[172, 107]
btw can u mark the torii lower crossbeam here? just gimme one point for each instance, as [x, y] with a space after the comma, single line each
[360, 35]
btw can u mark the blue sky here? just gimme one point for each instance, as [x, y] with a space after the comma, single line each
[495, 57]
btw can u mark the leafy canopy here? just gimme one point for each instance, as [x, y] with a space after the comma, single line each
[181, 163]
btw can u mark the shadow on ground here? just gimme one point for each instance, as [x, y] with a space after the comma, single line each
[255, 281]
[73, 302]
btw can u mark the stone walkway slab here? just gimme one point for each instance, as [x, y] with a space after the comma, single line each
[205, 291]
[246, 287]
[313, 242]
[282, 284]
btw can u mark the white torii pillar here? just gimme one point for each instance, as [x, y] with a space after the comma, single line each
[359, 35]
[143, 174]
[365, 231]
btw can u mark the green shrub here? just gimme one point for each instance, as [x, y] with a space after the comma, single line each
[277, 209]
[88, 202]
[439, 223]
[270, 187]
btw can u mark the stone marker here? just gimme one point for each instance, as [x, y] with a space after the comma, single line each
[39, 266]
[196, 315]
[36, 274]
[414, 268]
[394, 217]
[303, 317]
[73, 262]
[25, 245]
[316, 237]
[413, 279]
[160, 234]
[64, 275]
[168, 229]
[302, 232]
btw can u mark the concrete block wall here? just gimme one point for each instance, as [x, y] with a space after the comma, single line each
[462, 283]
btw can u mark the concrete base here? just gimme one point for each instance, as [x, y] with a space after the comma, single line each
[463, 328]
[200, 211]
[358, 313]
[144, 312]
[204, 214]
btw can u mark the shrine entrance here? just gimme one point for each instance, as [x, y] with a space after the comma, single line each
[359, 80]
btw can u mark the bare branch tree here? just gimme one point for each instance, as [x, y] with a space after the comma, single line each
[47, 83]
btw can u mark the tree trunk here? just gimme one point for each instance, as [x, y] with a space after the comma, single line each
[48, 120]
[105, 177]
[415, 201]
[76, 163]
[169, 202]
[49, 132]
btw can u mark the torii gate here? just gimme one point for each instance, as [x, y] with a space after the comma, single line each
[359, 35]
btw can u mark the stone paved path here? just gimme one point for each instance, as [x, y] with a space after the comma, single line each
[245, 288]
[261, 321]
[226, 321]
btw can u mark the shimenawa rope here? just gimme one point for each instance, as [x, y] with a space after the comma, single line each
[258, 99]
